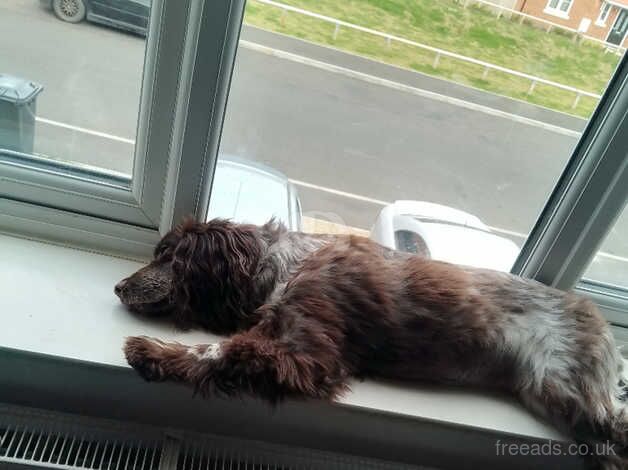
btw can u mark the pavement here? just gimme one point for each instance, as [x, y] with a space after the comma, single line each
[351, 141]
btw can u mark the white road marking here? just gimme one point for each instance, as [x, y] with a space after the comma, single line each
[85, 130]
[603, 254]
[508, 232]
[406, 88]
[524, 236]
[338, 192]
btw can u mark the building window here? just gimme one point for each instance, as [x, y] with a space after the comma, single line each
[604, 12]
[558, 7]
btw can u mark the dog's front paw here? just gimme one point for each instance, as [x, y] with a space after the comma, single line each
[145, 355]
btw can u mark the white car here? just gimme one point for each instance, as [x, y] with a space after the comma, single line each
[443, 233]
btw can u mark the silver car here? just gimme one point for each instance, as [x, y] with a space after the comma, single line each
[251, 192]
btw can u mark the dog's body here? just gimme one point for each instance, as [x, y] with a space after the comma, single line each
[309, 312]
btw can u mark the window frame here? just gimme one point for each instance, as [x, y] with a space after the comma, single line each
[589, 197]
[190, 53]
[605, 11]
[556, 11]
[200, 91]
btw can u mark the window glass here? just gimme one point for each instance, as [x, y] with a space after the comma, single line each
[604, 11]
[562, 5]
[357, 119]
[610, 265]
[565, 5]
[70, 78]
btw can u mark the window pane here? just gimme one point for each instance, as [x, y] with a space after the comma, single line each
[71, 84]
[604, 12]
[607, 9]
[610, 265]
[357, 121]
[565, 5]
[553, 3]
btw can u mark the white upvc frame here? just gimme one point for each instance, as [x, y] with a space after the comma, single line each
[605, 11]
[190, 54]
[587, 200]
[556, 11]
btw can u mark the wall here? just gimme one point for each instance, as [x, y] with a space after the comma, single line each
[579, 9]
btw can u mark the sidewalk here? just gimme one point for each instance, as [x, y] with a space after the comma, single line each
[411, 78]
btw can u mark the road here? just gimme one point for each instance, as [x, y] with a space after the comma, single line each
[331, 131]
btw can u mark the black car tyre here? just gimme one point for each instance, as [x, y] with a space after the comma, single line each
[72, 11]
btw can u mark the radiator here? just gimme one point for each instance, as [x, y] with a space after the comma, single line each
[31, 438]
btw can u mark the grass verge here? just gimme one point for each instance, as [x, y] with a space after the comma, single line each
[473, 31]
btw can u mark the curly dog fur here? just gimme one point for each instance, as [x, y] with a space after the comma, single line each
[307, 312]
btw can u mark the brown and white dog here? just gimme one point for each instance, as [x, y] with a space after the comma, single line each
[307, 312]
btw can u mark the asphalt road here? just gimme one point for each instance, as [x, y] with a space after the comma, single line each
[323, 128]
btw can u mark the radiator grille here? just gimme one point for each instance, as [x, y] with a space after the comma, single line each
[60, 441]
[38, 438]
[217, 453]
[218, 459]
[65, 450]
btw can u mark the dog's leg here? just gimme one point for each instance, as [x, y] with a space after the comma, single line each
[593, 430]
[245, 363]
[588, 404]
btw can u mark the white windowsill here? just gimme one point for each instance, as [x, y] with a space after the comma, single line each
[601, 24]
[557, 13]
[59, 301]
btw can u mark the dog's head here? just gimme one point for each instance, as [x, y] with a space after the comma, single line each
[201, 274]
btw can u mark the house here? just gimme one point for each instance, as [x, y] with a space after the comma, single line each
[603, 19]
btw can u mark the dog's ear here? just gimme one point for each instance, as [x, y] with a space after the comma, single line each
[213, 265]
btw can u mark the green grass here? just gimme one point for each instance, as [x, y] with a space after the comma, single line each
[475, 32]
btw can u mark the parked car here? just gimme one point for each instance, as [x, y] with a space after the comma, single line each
[130, 15]
[443, 233]
[248, 191]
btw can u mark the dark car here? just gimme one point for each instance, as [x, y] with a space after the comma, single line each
[131, 15]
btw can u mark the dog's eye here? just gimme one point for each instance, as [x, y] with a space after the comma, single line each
[163, 255]
[162, 250]
[166, 246]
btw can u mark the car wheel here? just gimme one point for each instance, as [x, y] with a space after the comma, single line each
[72, 11]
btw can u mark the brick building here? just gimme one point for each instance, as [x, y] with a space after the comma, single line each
[603, 19]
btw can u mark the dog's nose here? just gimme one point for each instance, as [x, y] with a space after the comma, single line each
[119, 287]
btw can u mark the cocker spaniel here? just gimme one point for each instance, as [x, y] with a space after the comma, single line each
[307, 312]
